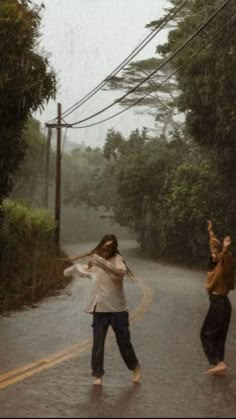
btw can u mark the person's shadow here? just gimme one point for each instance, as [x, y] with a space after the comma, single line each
[223, 389]
[103, 403]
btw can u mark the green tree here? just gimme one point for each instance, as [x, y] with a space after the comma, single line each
[208, 88]
[195, 195]
[140, 174]
[26, 82]
[81, 175]
[158, 98]
[207, 83]
[28, 180]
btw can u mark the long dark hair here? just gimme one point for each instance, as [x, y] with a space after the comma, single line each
[99, 249]
[112, 251]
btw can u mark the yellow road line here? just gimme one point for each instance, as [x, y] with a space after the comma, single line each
[28, 370]
[146, 301]
[45, 360]
[45, 366]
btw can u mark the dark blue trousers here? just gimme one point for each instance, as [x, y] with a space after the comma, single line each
[215, 328]
[119, 321]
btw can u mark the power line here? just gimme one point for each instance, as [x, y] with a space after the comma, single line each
[126, 61]
[216, 33]
[190, 38]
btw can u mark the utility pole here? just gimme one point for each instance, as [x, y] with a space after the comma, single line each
[47, 165]
[58, 125]
[58, 180]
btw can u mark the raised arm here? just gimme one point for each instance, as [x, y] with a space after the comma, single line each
[80, 270]
[116, 267]
[226, 244]
[210, 230]
[214, 243]
[224, 268]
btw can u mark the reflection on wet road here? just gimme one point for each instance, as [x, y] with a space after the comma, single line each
[20, 373]
[45, 353]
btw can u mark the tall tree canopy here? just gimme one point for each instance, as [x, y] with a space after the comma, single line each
[207, 85]
[26, 82]
[207, 82]
[203, 88]
[198, 184]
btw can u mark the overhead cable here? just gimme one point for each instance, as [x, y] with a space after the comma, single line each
[126, 61]
[215, 35]
[190, 38]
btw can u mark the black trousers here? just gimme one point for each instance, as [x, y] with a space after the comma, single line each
[215, 328]
[119, 322]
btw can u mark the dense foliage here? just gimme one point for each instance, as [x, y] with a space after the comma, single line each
[26, 82]
[166, 187]
[30, 268]
[169, 185]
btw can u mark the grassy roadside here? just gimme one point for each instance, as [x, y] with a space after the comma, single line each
[30, 269]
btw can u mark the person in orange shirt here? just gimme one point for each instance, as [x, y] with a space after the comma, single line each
[220, 280]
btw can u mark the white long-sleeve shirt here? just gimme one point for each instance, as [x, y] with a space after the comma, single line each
[108, 291]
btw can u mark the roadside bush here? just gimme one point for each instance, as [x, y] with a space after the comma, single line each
[29, 266]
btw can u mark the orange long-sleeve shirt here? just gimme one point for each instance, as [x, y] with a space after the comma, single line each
[221, 279]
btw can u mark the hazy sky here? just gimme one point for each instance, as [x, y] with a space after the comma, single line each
[86, 40]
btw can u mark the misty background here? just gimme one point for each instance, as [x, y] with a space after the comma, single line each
[87, 40]
[147, 173]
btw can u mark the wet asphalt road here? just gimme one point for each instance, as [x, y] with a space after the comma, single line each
[165, 335]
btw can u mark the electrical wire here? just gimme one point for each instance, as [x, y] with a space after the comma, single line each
[190, 38]
[215, 35]
[126, 61]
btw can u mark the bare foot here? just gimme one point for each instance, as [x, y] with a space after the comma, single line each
[136, 374]
[218, 369]
[97, 382]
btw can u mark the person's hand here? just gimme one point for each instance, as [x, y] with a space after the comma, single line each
[86, 266]
[227, 242]
[209, 225]
[92, 261]
[90, 264]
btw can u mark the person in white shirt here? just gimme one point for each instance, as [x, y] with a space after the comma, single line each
[108, 304]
